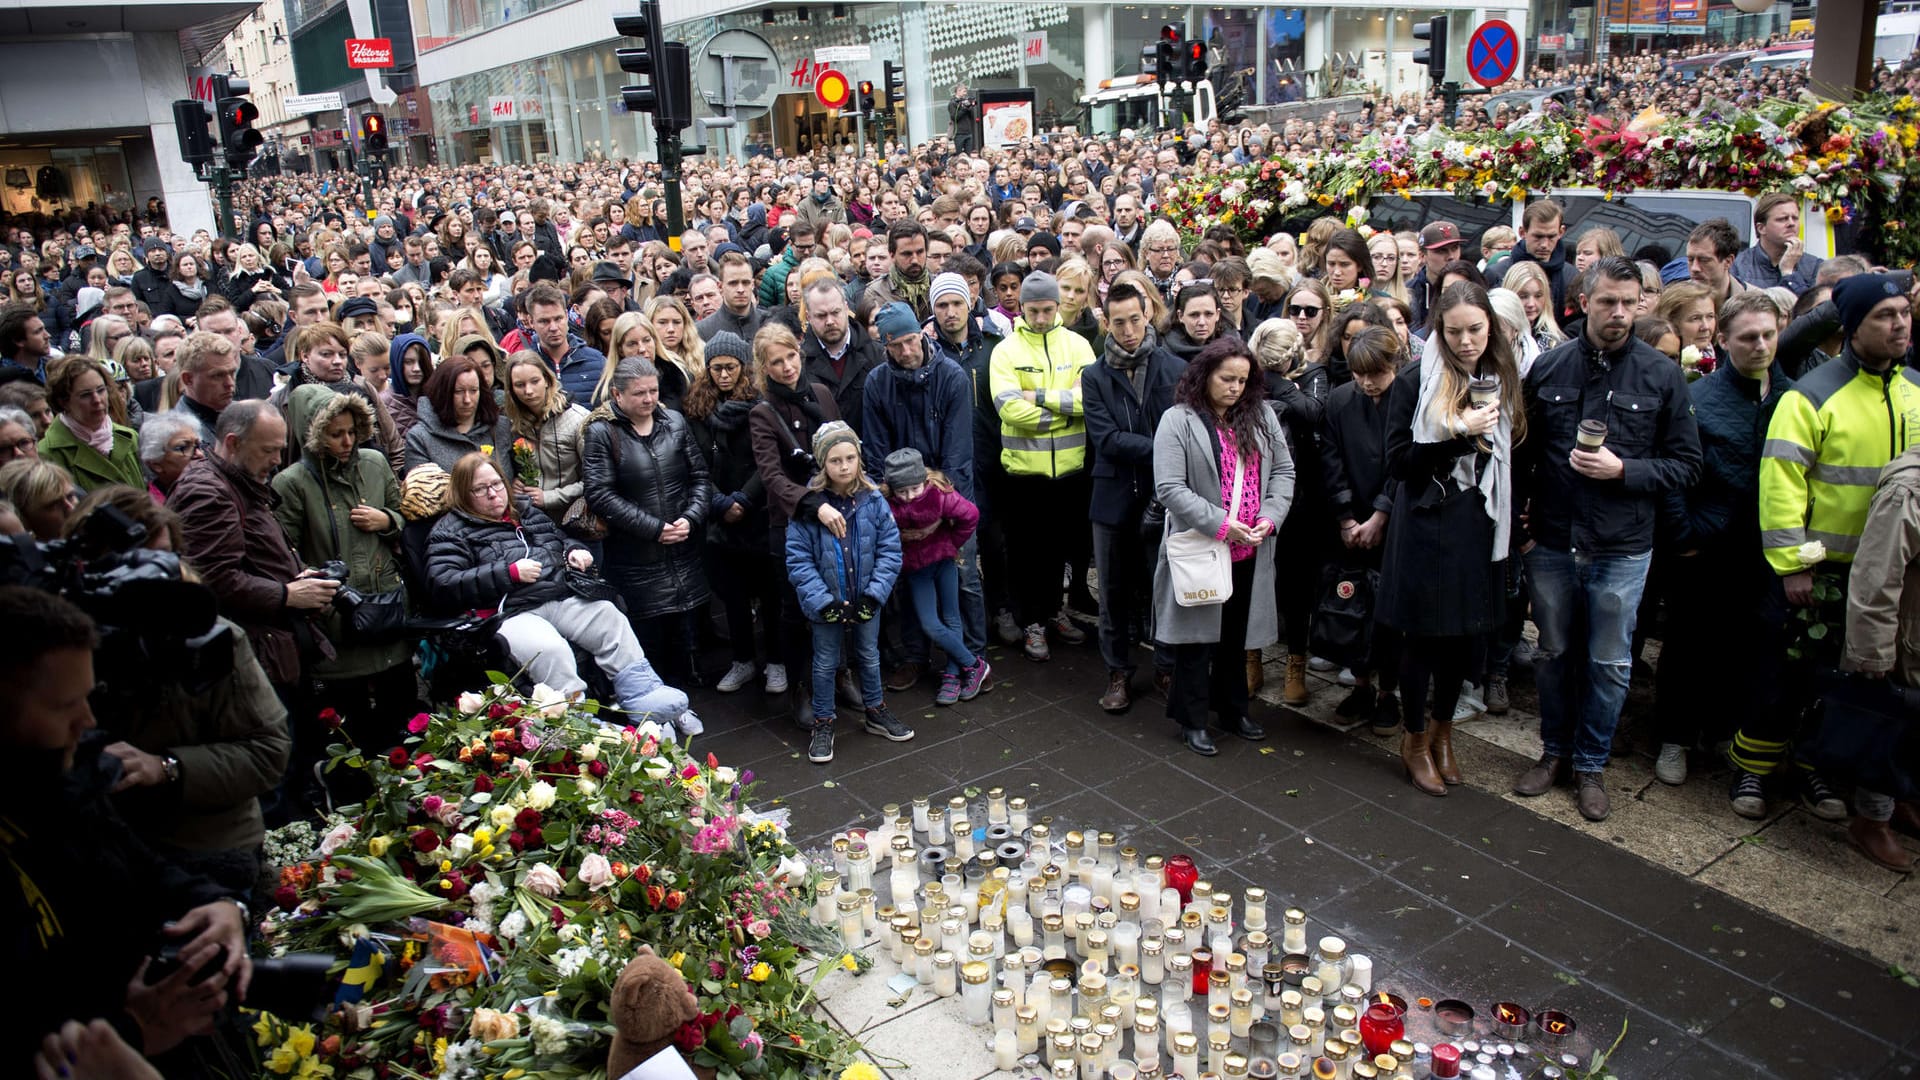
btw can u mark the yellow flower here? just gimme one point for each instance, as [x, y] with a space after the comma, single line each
[513, 1074]
[482, 835]
[301, 1039]
[312, 1068]
[487, 449]
[378, 845]
[446, 865]
[440, 1045]
[860, 1070]
[263, 1030]
[677, 959]
[760, 972]
[847, 961]
[283, 1059]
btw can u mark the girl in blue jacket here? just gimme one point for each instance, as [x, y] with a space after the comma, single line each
[844, 565]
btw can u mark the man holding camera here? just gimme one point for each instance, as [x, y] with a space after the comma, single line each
[103, 928]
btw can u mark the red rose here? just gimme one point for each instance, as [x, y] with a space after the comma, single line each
[397, 757]
[598, 769]
[498, 710]
[456, 886]
[418, 724]
[517, 842]
[330, 719]
[690, 1037]
[656, 896]
[426, 840]
[482, 783]
[527, 820]
[286, 897]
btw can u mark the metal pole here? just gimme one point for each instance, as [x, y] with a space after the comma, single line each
[668, 140]
[223, 190]
[860, 129]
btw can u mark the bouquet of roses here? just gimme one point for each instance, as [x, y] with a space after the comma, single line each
[526, 463]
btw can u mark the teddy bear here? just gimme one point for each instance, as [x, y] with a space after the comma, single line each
[651, 1001]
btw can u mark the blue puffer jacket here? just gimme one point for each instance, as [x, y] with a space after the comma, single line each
[826, 570]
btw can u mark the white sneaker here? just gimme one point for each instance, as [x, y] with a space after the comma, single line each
[1471, 693]
[1467, 708]
[1316, 663]
[1346, 677]
[689, 725]
[776, 678]
[737, 676]
[1671, 766]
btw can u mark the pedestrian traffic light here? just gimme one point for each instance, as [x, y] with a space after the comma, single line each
[1433, 55]
[864, 100]
[373, 133]
[190, 122]
[1196, 60]
[893, 85]
[236, 115]
[1166, 54]
[645, 60]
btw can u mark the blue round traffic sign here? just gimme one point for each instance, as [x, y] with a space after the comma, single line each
[1493, 53]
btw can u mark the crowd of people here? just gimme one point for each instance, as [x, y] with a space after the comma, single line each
[863, 420]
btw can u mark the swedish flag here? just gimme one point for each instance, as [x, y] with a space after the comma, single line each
[363, 970]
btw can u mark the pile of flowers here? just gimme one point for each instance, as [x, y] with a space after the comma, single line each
[1856, 162]
[516, 853]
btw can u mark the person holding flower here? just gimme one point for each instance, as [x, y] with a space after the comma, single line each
[546, 435]
[843, 578]
[497, 552]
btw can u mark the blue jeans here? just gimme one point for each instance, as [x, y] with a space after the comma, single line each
[1584, 607]
[934, 592]
[972, 607]
[829, 643]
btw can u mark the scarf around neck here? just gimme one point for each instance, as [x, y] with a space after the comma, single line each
[100, 438]
[1120, 359]
[1496, 480]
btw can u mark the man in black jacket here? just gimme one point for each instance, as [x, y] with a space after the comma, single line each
[837, 351]
[1126, 394]
[150, 281]
[1610, 433]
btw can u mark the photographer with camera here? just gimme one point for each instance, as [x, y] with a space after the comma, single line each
[104, 928]
[241, 552]
[190, 716]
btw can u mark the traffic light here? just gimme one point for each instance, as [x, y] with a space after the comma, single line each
[893, 85]
[645, 60]
[676, 79]
[1166, 54]
[1433, 55]
[190, 122]
[1196, 57]
[865, 98]
[236, 115]
[373, 133]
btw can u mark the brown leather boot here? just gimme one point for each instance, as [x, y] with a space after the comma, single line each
[1876, 841]
[1118, 696]
[1443, 759]
[1256, 672]
[1416, 753]
[1539, 779]
[1296, 691]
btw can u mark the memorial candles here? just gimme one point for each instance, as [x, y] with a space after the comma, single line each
[1054, 945]
[1178, 985]
[1089, 1044]
[1124, 991]
[1103, 880]
[848, 908]
[1060, 1052]
[1017, 814]
[1126, 943]
[1040, 844]
[1002, 1006]
[1259, 949]
[903, 879]
[1006, 1050]
[1236, 972]
[1180, 875]
[1146, 1036]
[1381, 1026]
[1202, 971]
[923, 950]
[1076, 846]
[936, 825]
[945, 974]
[997, 806]
[1026, 1029]
[1255, 904]
[975, 996]
[859, 866]
[1095, 949]
[1168, 909]
[1330, 965]
[1060, 992]
[1186, 1054]
[1293, 934]
[921, 822]
[1082, 925]
[1217, 1049]
[1153, 965]
[1219, 987]
[1362, 976]
[1240, 1013]
[1020, 925]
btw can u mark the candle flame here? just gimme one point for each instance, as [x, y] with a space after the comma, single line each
[1508, 1014]
[1384, 999]
[1557, 1027]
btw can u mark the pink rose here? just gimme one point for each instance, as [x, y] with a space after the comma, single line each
[338, 837]
[759, 929]
[545, 880]
[596, 872]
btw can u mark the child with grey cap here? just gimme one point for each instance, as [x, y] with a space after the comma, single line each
[935, 521]
[842, 583]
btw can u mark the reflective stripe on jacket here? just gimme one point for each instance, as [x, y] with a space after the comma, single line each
[1048, 435]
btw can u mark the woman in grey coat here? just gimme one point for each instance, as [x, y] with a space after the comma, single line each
[1219, 420]
[457, 418]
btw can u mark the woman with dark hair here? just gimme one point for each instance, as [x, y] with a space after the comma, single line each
[598, 329]
[1346, 266]
[1460, 270]
[1221, 467]
[495, 552]
[1443, 574]
[1345, 327]
[646, 480]
[187, 287]
[1195, 323]
[740, 564]
[459, 418]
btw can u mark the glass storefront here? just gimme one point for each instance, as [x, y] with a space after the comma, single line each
[564, 108]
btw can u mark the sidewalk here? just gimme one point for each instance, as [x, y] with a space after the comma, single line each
[1792, 864]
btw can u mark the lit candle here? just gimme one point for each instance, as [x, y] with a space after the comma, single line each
[1026, 1029]
[997, 806]
[1186, 1054]
[945, 973]
[1017, 814]
[1293, 934]
[1241, 1012]
[1256, 909]
[848, 906]
[1153, 962]
[1006, 1050]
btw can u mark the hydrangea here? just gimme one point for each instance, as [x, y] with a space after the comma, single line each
[569, 962]
[513, 926]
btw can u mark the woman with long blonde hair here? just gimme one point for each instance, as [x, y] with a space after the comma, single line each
[1529, 282]
[678, 351]
[632, 336]
[1385, 252]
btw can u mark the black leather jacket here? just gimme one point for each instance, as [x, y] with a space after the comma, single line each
[640, 486]
[469, 561]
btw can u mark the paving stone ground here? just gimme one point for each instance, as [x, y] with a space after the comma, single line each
[1727, 948]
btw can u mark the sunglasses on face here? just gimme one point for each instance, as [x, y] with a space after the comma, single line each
[1304, 311]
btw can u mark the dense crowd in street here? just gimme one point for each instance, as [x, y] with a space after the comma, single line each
[866, 418]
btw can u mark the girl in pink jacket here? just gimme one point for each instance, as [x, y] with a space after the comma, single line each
[935, 521]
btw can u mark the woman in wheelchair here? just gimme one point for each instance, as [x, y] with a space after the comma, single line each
[493, 551]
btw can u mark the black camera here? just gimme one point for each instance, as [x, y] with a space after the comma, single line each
[334, 570]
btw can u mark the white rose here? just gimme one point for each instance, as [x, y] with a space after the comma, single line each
[1690, 356]
[470, 702]
[549, 701]
[648, 729]
[596, 872]
[545, 880]
[725, 775]
[588, 752]
[460, 847]
[540, 795]
[338, 837]
[502, 817]
[1811, 553]
[587, 786]
[657, 768]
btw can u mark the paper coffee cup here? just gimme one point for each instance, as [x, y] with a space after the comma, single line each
[1592, 434]
[1483, 392]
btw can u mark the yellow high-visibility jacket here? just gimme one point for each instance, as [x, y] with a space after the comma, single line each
[1829, 439]
[1048, 435]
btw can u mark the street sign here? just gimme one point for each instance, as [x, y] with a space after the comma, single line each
[370, 52]
[302, 104]
[832, 89]
[1493, 53]
[842, 54]
[738, 74]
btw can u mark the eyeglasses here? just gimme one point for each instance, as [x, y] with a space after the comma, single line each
[184, 446]
[1302, 311]
[483, 490]
[18, 446]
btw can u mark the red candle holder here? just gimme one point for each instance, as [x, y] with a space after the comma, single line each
[1202, 972]
[1180, 874]
[1382, 1025]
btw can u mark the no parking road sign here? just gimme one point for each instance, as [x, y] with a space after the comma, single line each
[1493, 53]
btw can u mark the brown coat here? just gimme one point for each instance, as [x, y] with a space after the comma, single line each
[237, 545]
[776, 428]
[1883, 593]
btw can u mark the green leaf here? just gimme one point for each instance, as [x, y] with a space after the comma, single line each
[498, 678]
[1817, 631]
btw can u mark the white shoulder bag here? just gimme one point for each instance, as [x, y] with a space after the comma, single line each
[1200, 567]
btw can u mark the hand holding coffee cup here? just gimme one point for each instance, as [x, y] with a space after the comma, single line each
[1483, 391]
[1592, 434]
[1590, 457]
[1480, 420]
